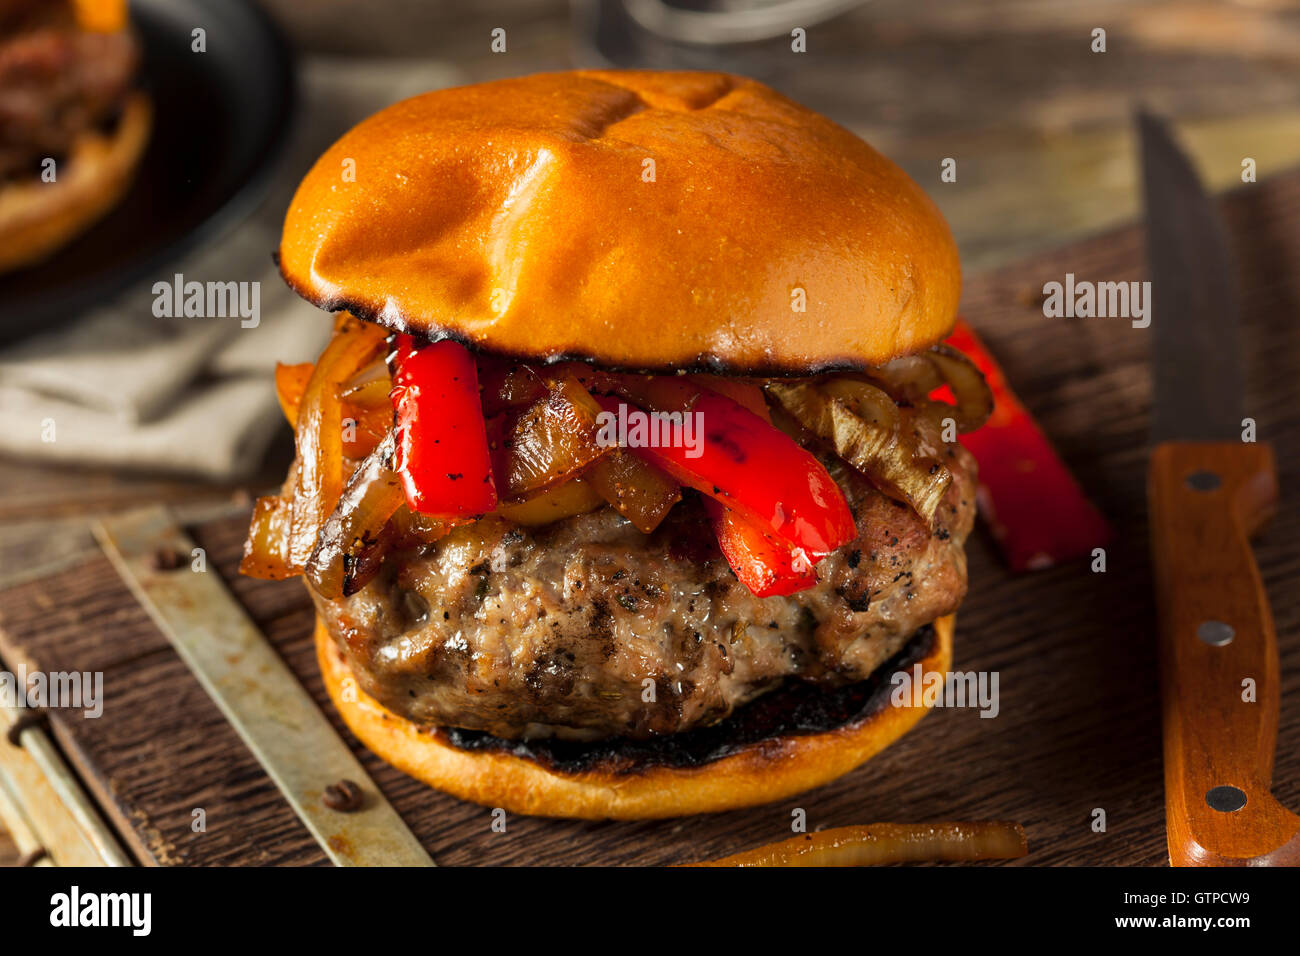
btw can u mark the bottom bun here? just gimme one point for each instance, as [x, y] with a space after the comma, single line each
[612, 780]
[37, 218]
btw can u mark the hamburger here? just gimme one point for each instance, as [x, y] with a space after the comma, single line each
[67, 95]
[629, 477]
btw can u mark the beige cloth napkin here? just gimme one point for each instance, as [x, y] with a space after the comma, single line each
[120, 387]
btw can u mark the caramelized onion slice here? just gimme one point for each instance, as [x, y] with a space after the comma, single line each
[411, 529]
[878, 844]
[865, 400]
[551, 441]
[913, 378]
[972, 392]
[574, 497]
[266, 549]
[290, 382]
[505, 386]
[640, 492]
[370, 386]
[365, 411]
[353, 540]
[364, 428]
[319, 432]
[884, 451]
[910, 378]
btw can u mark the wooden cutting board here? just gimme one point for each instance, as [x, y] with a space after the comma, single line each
[1075, 650]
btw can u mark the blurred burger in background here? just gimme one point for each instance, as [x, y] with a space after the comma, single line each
[73, 124]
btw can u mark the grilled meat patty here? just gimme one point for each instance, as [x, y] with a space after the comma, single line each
[586, 628]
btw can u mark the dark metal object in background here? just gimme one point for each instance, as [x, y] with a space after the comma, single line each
[220, 122]
[742, 36]
[1196, 353]
[739, 21]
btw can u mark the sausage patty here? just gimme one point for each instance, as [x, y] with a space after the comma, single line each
[586, 628]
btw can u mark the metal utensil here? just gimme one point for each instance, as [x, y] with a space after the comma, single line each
[256, 691]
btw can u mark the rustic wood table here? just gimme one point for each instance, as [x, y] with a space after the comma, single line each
[1040, 127]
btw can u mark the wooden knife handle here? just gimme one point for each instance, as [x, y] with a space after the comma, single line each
[1216, 634]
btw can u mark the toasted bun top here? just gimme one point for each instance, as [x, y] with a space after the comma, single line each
[635, 219]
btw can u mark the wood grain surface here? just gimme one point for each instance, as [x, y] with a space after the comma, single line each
[1079, 722]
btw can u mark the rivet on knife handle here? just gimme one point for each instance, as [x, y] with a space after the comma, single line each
[1217, 642]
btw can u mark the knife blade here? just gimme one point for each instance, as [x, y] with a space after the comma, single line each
[1208, 490]
[1196, 349]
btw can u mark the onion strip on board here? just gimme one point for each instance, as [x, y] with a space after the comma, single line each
[878, 844]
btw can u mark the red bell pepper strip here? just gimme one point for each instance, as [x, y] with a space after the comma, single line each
[1035, 509]
[742, 393]
[763, 564]
[747, 464]
[442, 447]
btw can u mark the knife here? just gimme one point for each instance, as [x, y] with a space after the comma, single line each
[1208, 491]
